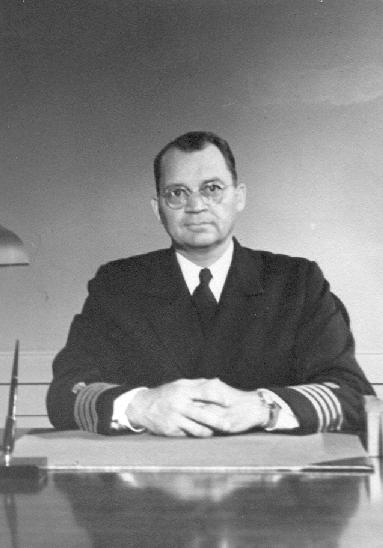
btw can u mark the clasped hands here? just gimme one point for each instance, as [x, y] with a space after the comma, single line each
[196, 407]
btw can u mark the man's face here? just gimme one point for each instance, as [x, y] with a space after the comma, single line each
[200, 223]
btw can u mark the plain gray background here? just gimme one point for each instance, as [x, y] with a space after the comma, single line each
[91, 89]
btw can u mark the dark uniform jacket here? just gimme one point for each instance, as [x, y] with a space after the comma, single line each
[277, 326]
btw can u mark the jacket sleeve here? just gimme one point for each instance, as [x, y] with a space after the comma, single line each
[86, 376]
[328, 395]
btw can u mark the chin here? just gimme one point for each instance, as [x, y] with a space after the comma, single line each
[201, 242]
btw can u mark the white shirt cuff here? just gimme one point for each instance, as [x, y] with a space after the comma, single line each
[120, 419]
[286, 418]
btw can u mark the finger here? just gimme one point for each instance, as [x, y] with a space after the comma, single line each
[214, 417]
[165, 428]
[185, 388]
[189, 382]
[232, 419]
[195, 429]
[215, 391]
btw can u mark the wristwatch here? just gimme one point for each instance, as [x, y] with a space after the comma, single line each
[273, 409]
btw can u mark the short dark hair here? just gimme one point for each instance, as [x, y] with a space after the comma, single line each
[192, 141]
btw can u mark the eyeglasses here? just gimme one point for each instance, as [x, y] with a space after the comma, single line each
[177, 196]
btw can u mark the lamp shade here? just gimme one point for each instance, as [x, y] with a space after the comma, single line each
[12, 250]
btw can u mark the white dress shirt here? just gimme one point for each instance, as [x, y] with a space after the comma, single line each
[219, 270]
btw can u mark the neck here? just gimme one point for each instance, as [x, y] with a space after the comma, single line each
[203, 257]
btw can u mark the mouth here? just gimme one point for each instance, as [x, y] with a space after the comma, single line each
[198, 226]
[199, 223]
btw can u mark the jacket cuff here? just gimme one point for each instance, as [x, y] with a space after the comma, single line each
[93, 408]
[316, 407]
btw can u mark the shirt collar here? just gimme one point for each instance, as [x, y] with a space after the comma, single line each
[219, 270]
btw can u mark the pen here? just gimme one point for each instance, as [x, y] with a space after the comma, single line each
[9, 431]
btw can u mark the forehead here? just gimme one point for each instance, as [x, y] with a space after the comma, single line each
[187, 168]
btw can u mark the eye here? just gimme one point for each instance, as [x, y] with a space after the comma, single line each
[212, 188]
[177, 192]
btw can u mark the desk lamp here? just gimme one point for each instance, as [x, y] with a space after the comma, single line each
[12, 253]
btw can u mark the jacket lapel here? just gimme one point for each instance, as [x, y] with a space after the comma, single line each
[172, 318]
[170, 312]
[239, 308]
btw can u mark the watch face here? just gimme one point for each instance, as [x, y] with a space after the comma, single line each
[274, 414]
[273, 408]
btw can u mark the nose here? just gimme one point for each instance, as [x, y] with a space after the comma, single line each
[195, 202]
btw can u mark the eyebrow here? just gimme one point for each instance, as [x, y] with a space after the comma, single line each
[204, 182]
[213, 180]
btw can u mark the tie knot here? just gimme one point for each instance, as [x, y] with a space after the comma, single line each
[205, 276]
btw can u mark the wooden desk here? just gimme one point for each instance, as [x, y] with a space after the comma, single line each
[196, 510]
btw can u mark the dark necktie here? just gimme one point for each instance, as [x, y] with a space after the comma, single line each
[204, 300]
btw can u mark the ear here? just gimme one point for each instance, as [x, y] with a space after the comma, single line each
[155, 207]
[240, 190]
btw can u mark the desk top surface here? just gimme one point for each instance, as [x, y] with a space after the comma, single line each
[139, 509]
[249, 452]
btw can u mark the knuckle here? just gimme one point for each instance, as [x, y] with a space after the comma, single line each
[204, 432]
[178, 383]
[225, 424]
[170, 428]
[178, 404]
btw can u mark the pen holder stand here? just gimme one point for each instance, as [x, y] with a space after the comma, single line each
[23, 469]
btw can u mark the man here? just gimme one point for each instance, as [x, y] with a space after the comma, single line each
[208, 336]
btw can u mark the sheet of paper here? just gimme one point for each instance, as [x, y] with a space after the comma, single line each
[73, 449]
